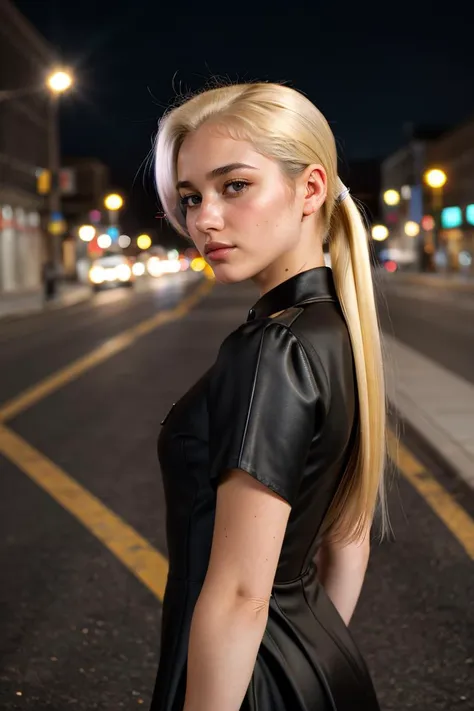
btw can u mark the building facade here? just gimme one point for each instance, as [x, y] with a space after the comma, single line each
[444, 217]
[454, 153]
[83, 205]
[25, 129]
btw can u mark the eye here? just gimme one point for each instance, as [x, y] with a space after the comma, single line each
[238, 186]
[189, 201]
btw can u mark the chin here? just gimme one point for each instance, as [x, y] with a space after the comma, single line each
[227, 274]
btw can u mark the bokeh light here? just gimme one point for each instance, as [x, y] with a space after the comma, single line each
[113, 202]
[391, 197]
[59, 81]
[86, 233]
[412, 229]
[104, 241]
[198, 264]
[124, 241]
[379, 233]
[143, 241]
[435, 178]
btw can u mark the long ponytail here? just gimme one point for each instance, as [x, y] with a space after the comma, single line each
[363, 486]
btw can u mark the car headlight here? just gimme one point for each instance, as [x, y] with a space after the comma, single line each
[97, 275]
[123, 272]
[138, 269]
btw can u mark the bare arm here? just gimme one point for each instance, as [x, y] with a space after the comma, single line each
[231, 613]
[341, 570]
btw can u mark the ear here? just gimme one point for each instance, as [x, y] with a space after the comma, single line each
[315, 189]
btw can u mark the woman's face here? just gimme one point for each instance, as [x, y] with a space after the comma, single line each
[236, 199]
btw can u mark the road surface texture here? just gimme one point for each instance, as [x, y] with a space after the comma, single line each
[80, 620]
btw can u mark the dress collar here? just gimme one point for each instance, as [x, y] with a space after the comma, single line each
[312, 285]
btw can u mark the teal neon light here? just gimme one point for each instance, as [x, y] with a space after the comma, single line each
[451, 217]
[470, 214]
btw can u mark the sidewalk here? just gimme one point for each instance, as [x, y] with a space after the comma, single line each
[437, 404]
[32, 301]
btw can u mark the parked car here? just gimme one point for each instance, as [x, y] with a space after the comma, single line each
[111, 270]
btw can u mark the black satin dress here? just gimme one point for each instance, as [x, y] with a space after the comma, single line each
[279, 403]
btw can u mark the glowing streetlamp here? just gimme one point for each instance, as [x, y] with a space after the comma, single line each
[412, 229]
[113, 202]
[104, 241]
[435, 178]
[391, 197]
[86, 233]
[59, 81]
[143, 241]
[379, 233]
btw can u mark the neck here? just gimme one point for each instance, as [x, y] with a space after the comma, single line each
[285, 268]
[306, 254]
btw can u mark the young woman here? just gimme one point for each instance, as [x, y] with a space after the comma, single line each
[273, 462]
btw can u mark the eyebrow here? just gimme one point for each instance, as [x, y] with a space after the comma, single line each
[216, 173]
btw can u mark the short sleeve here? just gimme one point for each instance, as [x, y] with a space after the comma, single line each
[264, 407]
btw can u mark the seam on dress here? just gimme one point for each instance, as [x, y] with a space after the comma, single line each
[322, 676]
[254, 385]
[347, 656]
[307, 344]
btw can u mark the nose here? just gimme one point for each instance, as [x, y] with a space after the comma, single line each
[209, 217]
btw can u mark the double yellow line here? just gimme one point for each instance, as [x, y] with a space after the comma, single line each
[134, 551]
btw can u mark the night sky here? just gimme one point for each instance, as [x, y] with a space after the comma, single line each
[371, 67]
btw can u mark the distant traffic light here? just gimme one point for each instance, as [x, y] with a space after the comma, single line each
[43, 182]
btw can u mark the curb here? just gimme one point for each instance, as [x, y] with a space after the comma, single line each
[45, 306]
[431, 417]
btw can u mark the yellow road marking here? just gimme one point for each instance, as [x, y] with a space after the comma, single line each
[108, 349]
[454, 517]
[140, 557]
[134, 551]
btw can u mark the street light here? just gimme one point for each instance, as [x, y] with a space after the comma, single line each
[87, 233]
[391, 197]
[412, 229]
[104, 241]
[143, 241]
[435, 178]
[379, 233]
[113, 202]
[59, 81]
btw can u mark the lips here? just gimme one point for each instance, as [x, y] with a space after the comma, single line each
[215, 246]
[219, 255]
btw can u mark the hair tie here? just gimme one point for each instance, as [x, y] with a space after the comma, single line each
[342, 195]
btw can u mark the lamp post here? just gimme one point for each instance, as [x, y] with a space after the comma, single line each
[113, 202]
[391, 197]
[436, 179]
[57, 83]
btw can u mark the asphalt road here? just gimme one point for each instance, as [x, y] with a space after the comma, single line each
[435, 321]
[79, 629]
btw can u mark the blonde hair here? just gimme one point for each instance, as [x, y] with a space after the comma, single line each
[284, 125]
